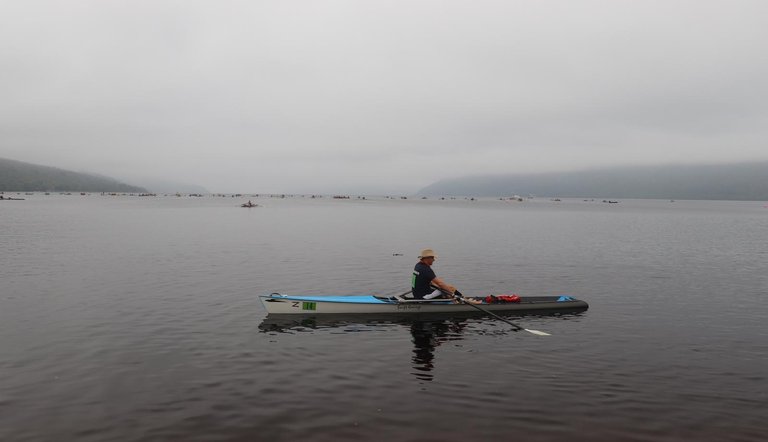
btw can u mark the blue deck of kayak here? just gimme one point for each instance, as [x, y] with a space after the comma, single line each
[362, 299]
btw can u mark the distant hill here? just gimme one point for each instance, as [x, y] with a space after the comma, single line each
[742, 181]
[20, 176]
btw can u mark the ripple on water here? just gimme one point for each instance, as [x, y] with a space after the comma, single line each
[126, 319]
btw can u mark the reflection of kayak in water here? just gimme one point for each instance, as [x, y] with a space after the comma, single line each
[249, 205]
[280, 322]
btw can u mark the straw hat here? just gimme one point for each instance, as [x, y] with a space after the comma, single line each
[426, 253]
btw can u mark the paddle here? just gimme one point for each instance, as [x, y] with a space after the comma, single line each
[459, 297]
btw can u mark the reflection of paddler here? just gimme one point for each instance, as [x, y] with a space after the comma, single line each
[424, 343]
[427, 335]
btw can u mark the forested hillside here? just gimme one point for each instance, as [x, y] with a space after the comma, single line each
[20, 176]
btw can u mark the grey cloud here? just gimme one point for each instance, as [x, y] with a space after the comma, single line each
[302, 96]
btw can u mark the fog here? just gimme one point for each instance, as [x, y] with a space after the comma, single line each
[378, 96]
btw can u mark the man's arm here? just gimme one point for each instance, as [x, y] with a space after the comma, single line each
[439, 283]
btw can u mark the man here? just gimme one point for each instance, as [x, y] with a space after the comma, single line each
[424, 278]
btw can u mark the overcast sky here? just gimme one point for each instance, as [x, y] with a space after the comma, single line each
[369, 96]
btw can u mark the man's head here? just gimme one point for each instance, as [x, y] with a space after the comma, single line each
[428, 256]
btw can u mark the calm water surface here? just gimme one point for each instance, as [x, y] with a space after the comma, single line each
[137, 319]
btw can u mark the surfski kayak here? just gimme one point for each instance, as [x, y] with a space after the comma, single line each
[276, 303]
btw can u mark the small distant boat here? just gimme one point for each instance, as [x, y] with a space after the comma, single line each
[276, 303]
[249, 205]
[8, 198]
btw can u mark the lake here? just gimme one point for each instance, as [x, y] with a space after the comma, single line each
[126, 318]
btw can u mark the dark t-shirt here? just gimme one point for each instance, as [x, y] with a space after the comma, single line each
[422, 276]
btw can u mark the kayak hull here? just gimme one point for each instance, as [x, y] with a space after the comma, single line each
[366, 304]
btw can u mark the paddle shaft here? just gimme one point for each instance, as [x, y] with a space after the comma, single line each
[457, 295]
[488, 312]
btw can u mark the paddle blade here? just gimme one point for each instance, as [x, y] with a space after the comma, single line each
[537, 332]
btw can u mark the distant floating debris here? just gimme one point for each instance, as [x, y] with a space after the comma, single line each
[397, 254]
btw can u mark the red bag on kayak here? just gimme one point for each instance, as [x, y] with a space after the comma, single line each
[501, 299]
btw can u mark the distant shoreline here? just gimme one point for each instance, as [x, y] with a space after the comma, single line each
[724, 182]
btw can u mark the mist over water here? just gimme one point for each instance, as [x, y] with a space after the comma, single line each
[128, 318]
